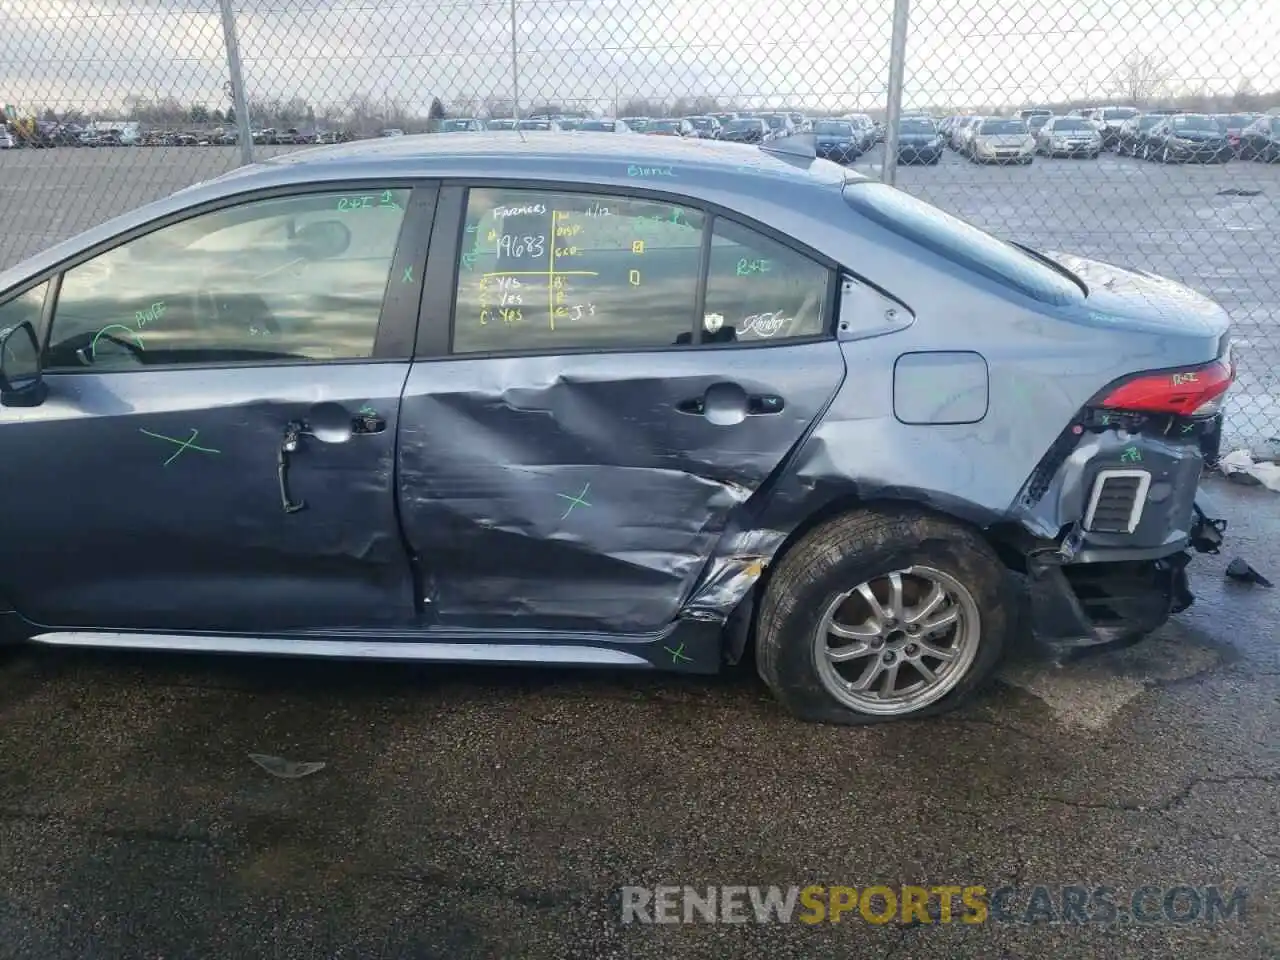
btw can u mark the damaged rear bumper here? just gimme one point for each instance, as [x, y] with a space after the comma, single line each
[1078, 599]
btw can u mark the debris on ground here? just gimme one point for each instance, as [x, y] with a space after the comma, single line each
[1241, 467]
[1239, 192]
[287, 769]
[1239, 569]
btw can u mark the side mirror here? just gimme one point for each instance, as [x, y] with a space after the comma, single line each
[21, 383]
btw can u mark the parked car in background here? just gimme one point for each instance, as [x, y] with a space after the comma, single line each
[919, 141]
[780, 124]
[503, 123]
[1188, 137]
[1261, 140]
[850, 461]
[539, 123]
[964, 133]
[671, 127]
[391, 132]
[800, 122]
[1036, 123]
[707, 128]
[1068, 137]
[1001, 140]
[961, 130]
[745, 130]
[724, 118]
[866, 130]
[1133, 139]
[1110, 120]
[267, 135]
[604, 125]
[637, 123]
[837, 140]
[7, 140]
[1234, 125]
[461, 125]
[1034, 112]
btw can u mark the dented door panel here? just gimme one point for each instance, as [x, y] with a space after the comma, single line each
[588, 492]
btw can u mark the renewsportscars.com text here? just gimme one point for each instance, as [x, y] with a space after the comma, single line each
[945, 903]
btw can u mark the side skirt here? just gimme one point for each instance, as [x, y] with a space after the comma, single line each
[685, 647]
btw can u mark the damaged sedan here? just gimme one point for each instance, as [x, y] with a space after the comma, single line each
[611, 402]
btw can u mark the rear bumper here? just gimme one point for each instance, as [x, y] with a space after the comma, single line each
[1074, 602]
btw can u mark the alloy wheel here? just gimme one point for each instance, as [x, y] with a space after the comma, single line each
[897, 642]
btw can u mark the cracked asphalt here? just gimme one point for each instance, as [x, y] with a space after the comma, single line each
[496, 813]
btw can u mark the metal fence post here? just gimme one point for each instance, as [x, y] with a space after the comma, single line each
[515, 67]
[897, 70]
[243, 133]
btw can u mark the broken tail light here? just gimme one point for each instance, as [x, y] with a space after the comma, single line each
[1191, 392]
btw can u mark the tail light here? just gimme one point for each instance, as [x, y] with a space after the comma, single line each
[1191, 392]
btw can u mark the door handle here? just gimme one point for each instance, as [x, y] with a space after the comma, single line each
[728, 403]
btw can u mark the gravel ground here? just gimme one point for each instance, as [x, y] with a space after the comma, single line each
[1173, 220]
[496, 813]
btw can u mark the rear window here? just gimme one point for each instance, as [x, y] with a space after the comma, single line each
[1192, 122]
[1119, 113]
[1071, 123]
[960, 242]
[833, 128]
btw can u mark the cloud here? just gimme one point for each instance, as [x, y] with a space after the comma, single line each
[821, 52]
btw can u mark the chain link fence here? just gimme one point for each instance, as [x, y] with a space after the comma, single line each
[137, 98]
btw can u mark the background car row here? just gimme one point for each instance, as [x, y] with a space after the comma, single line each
[1167, 136]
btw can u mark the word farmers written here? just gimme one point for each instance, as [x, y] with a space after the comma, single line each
[941, 904]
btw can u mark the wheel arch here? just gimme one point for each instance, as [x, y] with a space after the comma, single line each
[741, 623]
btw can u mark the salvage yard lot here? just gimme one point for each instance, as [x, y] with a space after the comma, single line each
[1173, 220]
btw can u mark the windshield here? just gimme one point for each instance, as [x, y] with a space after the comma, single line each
[1036, 122]
[606, 125]
[667, 126]
[1119, 113]
[637, 123]
[959, 242]
[1196, 123]
[743, 125]
[998, 127]
[775, 122]
[1036, 113]
[1071, 123]
[916, 125]
[833, 128]
[1237, 120]
[702, 123]
[1147, 122]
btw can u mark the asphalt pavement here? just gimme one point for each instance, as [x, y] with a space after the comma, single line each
[498, 813]
[1214, 227]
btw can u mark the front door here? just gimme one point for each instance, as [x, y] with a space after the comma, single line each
[573, 465]
[217, 449]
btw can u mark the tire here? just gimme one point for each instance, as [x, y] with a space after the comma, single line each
[838, 558]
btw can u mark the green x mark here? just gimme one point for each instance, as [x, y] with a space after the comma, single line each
[408, 275]
[579, 501]
[678, 654]
[188, 444]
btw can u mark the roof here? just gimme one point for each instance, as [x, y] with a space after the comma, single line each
[783, 173]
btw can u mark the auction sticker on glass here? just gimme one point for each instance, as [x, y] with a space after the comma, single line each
[550, 271]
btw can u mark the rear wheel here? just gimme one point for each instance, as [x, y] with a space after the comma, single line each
[878, 616]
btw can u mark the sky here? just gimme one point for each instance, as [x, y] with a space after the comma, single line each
[828, 54]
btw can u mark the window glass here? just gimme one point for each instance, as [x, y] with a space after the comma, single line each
[960, 242]
[551, 271]
[26, 306]
[292, 278]
[758, 289]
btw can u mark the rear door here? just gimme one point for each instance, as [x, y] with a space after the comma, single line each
[623, 373]
[155, 488]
